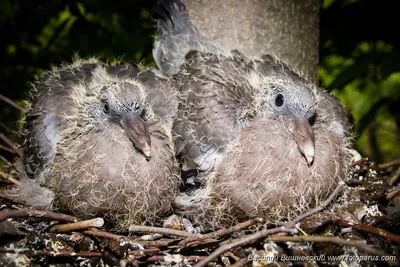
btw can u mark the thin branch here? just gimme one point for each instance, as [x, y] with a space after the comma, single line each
[328, 239]
[248, 239]
[9, 150]
[98, 233]
[11, 145]
[10, 178]
[52, 253]
[161, 230]
[143, 252]
[389, 164]
[368, 229]
[168, 258]
[8, 129]
[62, 228]
[11, 103]
[121, 238]
[5, 160]
[359, 162]
[6, 214]
[321, 207]
[395, 176]
[225, 231]
[395, 192]
[287, 228]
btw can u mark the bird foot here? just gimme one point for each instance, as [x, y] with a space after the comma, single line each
[178, 223]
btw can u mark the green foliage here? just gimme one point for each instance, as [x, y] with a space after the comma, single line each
[359, 64]
[37, 35]
[359, 54]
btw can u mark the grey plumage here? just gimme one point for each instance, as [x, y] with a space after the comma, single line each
[219, 94]
[258, 168]
[273, 143]
[100, 138]
[264, 175]
[177, 36]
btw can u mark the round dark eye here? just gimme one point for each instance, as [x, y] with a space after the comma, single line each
[143, 115]
[279, 100]
[106, 107]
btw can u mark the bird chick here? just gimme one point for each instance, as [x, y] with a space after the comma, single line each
[221, 90]
[97, 139]
[220, 94]
[270, 143]
[263, 174]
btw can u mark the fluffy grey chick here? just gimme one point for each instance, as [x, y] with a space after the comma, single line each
[280, 155]
[177, 36]
[220, 90]
[100, 139]
[259, 125]
[263, 174]
[219, 94]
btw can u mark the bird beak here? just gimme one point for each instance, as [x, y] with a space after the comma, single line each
[304, 137]
[136, 129]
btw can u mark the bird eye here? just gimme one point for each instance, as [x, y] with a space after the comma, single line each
[279, 99]
[106, 107]
[143, 115]
[137, 106]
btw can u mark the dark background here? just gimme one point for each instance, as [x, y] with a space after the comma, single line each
[359, 55]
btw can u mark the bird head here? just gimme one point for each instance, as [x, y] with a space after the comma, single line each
[122, 104]
[284, 93]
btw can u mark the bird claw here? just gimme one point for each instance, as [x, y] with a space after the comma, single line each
[179, 223]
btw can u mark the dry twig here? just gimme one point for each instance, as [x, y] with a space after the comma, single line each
[395, 192]
[9, 150]
[52, 253]
[368, 229]
[122, 238]
[395, 176]
[11, 103]
[62, 228]
[143, 252]
[248, 239]
[321, 207]
[11, 145]
[389, 164]
[286, 228]
[359, 162]
[10, 178]
[7, 129]
[166, 258]
[5, 160]
[222, 232]
[6, 214]
[327, 239]
[161, 230]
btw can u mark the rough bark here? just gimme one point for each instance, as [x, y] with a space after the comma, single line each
[288, 29]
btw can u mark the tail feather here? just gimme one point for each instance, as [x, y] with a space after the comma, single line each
[172, 16]
[177, 36]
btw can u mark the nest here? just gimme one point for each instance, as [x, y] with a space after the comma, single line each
[358, 223]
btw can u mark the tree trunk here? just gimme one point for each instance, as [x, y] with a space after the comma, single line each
[288, 29]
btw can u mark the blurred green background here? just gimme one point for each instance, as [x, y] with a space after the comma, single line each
[359, 55]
